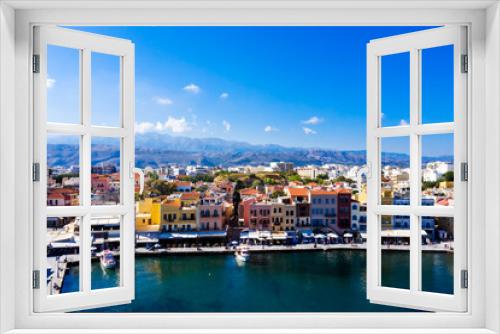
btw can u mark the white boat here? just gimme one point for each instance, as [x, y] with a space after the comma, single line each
[242, 254]
[107, 259]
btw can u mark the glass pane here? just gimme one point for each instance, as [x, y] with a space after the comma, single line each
[63, 170]
[63, 255]
[105, 231]
[437, 254]
[105, 171]
[437, 170]
[437, 84]
[63, 85]
[106, 90]
[395, 178]
[395, 89]
[395, 251]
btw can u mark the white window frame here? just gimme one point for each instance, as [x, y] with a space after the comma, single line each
[16, 21]
[413, 43]
[86, 44]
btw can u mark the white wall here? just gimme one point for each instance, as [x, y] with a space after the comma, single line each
[7, 166]
[493, 166]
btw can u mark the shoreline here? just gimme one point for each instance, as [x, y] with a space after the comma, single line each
[441, 248]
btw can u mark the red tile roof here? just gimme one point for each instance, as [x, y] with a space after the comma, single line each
[190, 196]
[248, 191]
[294, 192]
[323, 192]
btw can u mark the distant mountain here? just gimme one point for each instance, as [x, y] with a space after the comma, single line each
[155, 150]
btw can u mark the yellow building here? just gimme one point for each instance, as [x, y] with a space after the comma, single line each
[282, 217]
[446, 185]
[361, 196]
[177, 218]
[148, 215]
[387, 199]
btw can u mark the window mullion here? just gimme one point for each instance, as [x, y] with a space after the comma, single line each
[85, 172]
[415, 234]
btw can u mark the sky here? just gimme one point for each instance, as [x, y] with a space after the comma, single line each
[292, 86]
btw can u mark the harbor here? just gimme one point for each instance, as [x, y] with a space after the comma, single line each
[333, 281]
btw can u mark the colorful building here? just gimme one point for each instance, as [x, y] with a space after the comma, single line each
[210, 214]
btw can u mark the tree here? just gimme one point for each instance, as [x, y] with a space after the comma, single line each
[162, 188]
[277, 193]
[294, 178]
[342, 178]
[257, 183]
[448, 176]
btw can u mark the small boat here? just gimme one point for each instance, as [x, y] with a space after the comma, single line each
[107, 259]
[242, 254]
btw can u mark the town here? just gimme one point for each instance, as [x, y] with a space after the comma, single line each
[191, 207]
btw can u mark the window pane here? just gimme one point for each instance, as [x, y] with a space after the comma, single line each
[63, 170]
[63, 259]
[395, 178]
[63, 85]
[395, 89]
[105, 231]
[106, 90]
[437, 255]
[437, 170]
[437, 84]
[105, 171]
[395, 252]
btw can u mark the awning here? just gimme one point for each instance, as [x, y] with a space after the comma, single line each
[398, 233]
[59, 245]
[279, 236]
[307, 234]
[332, 235]
[363, 235]
[319, 236]
[347, 235]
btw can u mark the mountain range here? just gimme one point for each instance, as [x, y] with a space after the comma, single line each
[155, 149]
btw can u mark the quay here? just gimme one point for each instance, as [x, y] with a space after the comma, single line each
[141, 251]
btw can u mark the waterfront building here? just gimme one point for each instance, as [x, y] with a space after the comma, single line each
[323, 208]
[300, 197]
[260, 216]
[244, 210]
[176, 217]
[403, 222]
[148, 215]
[210, 214]
[343, 210]
[282, 215]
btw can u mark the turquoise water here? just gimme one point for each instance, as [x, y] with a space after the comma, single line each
[332, 281]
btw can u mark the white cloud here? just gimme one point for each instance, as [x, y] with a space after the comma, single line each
[164, 101]
[313, 120]
[227, 125]
[192, 88]
[144, 127]
[224, 96]
[269, 128]
[50, 82]
[175, 125]
[403, 122]
[309, 131]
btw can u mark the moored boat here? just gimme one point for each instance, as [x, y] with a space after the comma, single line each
[242, 254]
[107, 259]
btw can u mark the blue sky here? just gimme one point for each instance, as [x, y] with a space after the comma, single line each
[293, 86]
